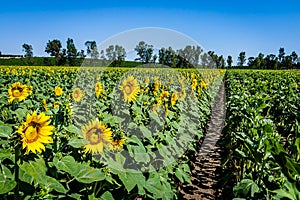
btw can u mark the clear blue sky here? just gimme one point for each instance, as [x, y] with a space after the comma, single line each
[226, 27]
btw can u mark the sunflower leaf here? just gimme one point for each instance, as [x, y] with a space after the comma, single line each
[5, 131]
[73, 129]
[77, 143]
[89, 175]
[6, 185]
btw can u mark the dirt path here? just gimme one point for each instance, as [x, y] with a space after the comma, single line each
[206, 163]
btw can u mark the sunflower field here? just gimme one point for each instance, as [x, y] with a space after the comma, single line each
[263, 134]
[108, 133]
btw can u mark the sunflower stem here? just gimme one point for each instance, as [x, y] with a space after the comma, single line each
[17, 156]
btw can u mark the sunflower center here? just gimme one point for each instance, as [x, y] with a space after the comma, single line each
[95, 136]
[17, 92]
[127, 89]
[31, 134]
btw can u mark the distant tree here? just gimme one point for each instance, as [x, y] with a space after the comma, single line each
[54, 49]
[191, 54]
[144, 51]
[221, 62]
[281, 54]
[241, 59]
[81, 54]
[27, 48]
[162, 56]
[116, 54]
[92, 49]
[214, 59]
[229, 61]
[154, 58]
[294, 57]
[71, 52]
[251, 62]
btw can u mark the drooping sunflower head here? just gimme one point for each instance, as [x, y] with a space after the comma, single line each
[56, 104]
[97, 135]
[36, 132]
[203, 84]
[194, 84]
[174, 98]
[77, 94]
[98, 89]
[117, 143]
[164, 95]
[44, 104]
[58, 91]
[17, 91]
[130, 88]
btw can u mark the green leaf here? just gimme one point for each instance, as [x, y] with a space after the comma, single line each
[36, 169]
[5, 131]
[77, 143]
[67, 164]
[21, 114]
[244, 187]
[55, 185]
[146, 132]
[131, 179]
[89, 175]
[6, 185]
[73, 129]
[107, 196]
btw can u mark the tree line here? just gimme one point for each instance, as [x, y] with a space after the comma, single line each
[189, 56]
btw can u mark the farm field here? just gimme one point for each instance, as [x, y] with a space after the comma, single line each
[109, 133]
[123, 133]
[262, 134]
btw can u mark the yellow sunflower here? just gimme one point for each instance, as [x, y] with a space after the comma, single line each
[35, 132]
[194, 84]
[203, 84]
[17, 91]
[77, 94]
[56, 104]
[58, 91]
[174, 98]
[97, 135]
[45, 104]
[98, 89]
[130, 89]
[29, 88]
[164, 95]
[117, 143]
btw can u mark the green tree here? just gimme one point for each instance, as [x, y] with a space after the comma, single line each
[54, 49]
[241, 59]
[71, 52]
[144, 51]
[27, 48]
[229, 61]
[116, 54]
[92, 49]
[281, 54]
[294, 57]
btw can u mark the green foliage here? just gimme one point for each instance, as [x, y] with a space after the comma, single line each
[262, 132]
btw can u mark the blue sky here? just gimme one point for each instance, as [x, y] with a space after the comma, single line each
[226, 27]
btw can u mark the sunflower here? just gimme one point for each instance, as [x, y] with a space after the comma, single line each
[164, 95]
[117, 143]
[29, 88]
[17, 91]
[77, 94]
[97, 135]
[45, 104]
[98, 89]
[56, 104]
[35, 132]
[58, 91]
[194, 84]
[174, 98]
[203, 84]
[130, 89]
